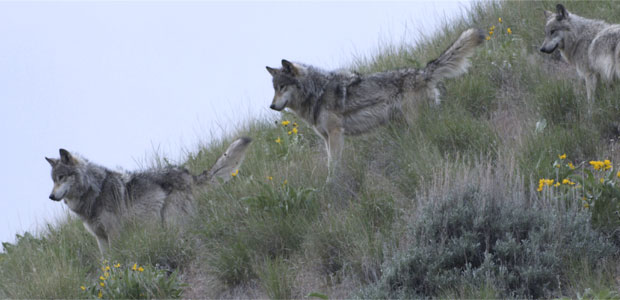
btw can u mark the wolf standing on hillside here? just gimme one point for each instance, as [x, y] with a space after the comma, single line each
[103, 198]
[592, 46]
[341, 102]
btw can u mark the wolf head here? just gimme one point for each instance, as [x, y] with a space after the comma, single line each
[65, 175]
[556, 29]
[286, 84]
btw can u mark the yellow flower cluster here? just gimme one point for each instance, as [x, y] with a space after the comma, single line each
[492, 29]
[551, 182]
[544, 182]
[293, 130]
[601, 165]
[235, 173]
[567, 181]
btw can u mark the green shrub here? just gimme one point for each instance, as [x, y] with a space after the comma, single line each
[277, 279]
[475, 237]
[558, 104]
[117, 281]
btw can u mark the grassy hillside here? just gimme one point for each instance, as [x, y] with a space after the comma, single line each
[449, 205]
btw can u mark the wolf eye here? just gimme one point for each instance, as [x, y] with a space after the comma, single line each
[61, 177]
[552, 32]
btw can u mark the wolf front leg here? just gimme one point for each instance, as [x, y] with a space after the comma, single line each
[335, 143]
[590, 89]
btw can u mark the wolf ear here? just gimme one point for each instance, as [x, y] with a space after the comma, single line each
[52, 161]
[272, 71]
[562, 12]
[65, 157]
[290, 68]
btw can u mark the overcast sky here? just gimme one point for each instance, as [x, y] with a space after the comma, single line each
[120, 81]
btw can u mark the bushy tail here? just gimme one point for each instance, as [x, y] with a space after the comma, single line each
[227, 165]
[454, 61]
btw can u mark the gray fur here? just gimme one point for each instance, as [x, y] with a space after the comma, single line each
[343, 102]
[103, 198]
[592, 46]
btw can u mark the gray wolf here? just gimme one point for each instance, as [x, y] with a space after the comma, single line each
[338, 103]
[592, 46]
[103, 199]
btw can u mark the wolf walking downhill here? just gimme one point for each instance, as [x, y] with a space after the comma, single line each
[340, 102]
[103, 198]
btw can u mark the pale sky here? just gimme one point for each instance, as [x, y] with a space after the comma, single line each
[119, 81]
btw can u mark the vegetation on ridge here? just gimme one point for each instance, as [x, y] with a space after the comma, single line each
[449, 205]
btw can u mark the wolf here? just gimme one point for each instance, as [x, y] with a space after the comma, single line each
[592, 46]
[103, 198]
[338, 103]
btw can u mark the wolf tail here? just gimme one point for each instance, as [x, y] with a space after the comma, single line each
[454, 61]
[227, 165]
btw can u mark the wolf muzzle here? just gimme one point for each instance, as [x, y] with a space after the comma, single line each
[545, 50]
[52, 197]
[274, 107]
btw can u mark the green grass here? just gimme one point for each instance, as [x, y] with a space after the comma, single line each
[444, 205]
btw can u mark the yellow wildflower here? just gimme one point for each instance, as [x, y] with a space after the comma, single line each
[492, 28]
[618, 174]
[295, 130]
[107, 268]
[278, 140]
[500, 19]
[509, 31]
[135, 267]
[101, 284]
[141, 269]
[99, 295]
[563, 156]
[567, 181]
[295, 124]
[543, 182]
[285, 181]
[602, 180]
[101, 278]
[557, 166]
[284, 123]
[607, 164]
[83, 288]
[118, 265]
[491, 32]
[570, 165]
[586, 205]
[269, 177]
[233, 174]
[106, 274]
[488, 38]
[290, 132]
[557, 184]
[597, 165]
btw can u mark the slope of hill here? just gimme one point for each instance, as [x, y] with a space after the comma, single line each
[449, 205]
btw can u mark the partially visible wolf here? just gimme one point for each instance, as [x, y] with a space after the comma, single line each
[103, 199]
[341, 102]
[592, 46]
